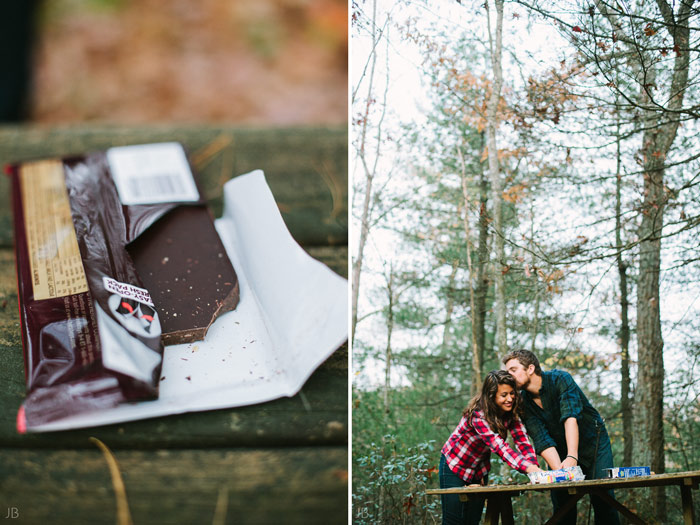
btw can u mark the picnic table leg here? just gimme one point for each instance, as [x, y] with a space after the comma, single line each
[565, 508]
[492, 510]
[627, 513]
[506, 510]
[499, 507]
[688, 511]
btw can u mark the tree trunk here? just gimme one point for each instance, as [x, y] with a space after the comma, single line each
[650, 376]
[449, 307]
[476, 358]
[625, 405]
[387, 351]
[368, 170]
[482, 276]
[496, 41]
[534, 327]
[656, 144]
[357, 266]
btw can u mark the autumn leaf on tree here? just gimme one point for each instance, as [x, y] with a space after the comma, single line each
[515, 193]
[484, 154]
[648, 30]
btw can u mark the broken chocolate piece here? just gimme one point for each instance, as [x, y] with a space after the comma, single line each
[183, 264]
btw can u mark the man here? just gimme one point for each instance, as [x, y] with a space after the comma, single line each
[565, 428]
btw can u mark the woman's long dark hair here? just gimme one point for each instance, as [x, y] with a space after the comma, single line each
[485, 401]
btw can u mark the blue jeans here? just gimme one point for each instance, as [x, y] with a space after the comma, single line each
[454, 511]
[604, 513]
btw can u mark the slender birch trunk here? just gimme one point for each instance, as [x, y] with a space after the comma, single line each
[492, 121]
[534, 327]
[482, 274]
[476, 358]
[387, 350]
[369, 170]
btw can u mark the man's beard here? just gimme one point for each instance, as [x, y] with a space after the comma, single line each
[525, 384]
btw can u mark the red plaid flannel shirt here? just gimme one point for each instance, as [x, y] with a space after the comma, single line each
[468, 451]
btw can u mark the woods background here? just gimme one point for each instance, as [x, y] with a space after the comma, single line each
[525, 176]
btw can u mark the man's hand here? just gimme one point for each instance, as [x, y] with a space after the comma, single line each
[568, 462]
[571, 431]
[533, 468]
[551, 456]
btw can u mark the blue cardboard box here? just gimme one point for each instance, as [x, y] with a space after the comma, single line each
[628, 472]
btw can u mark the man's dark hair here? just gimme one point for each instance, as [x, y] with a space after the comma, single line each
[526, 359]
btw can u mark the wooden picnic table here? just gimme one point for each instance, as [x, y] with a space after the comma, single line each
[499, 505]
[283, 461]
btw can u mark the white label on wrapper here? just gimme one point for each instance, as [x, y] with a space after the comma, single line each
[152, 174]
[127, 290]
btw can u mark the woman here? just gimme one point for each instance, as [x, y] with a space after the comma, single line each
[483, 428]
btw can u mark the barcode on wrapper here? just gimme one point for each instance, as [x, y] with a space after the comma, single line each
[152, 174]
[149, 185]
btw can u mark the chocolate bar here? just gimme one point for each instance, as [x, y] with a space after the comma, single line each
[183, 264]
[117, 255]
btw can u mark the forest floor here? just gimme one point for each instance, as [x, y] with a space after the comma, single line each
[252, 62]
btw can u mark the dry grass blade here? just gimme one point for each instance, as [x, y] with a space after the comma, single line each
[123, 514]
[221, 507]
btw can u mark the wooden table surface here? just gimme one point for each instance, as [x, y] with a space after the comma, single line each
[500, 494]
[670, 478]
[279, 462]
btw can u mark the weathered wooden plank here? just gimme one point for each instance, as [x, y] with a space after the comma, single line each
[655, 480]
[335, 257]
[306, 168]
[318, 415]
[306, 485]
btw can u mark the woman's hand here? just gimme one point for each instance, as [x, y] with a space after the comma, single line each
[532, 468]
